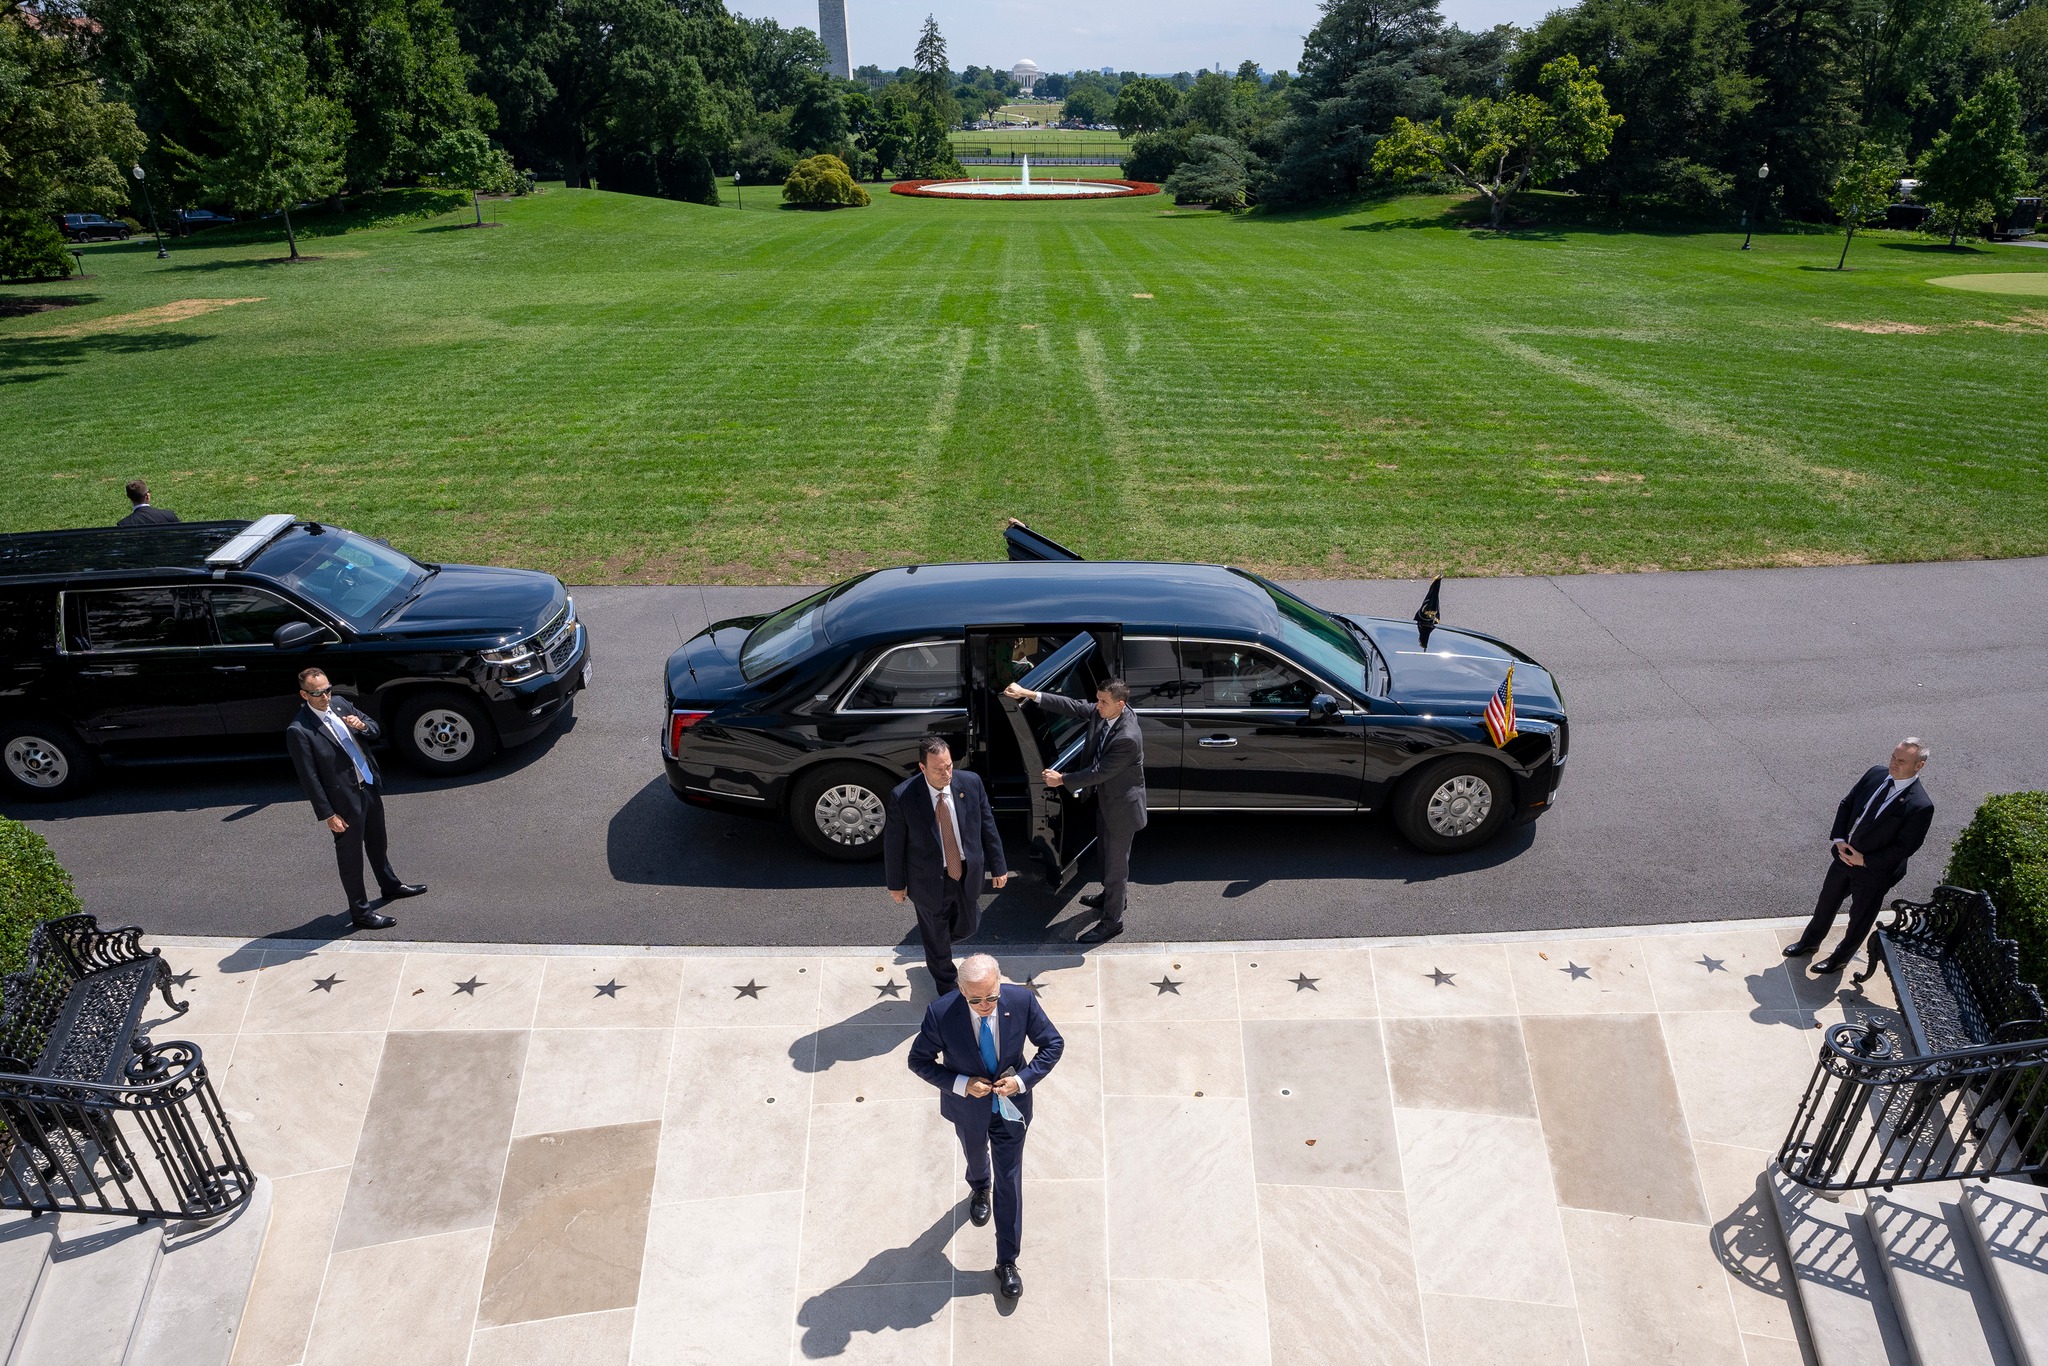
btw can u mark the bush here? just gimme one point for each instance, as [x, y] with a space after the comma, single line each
[1216, 172]
[823, 182]
[2004, 851]
[31, 248]
[33, 888]
[760, 160]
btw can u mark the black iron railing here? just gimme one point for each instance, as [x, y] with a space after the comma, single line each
[1873, 1116]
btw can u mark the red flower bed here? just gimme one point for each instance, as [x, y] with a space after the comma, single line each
[916, 189]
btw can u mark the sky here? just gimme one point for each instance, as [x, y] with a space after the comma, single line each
[1130, 35]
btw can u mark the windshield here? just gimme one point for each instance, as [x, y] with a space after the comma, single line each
[1320, 640]
[351, 576]
[789, 635]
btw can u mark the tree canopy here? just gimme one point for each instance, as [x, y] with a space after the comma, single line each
[1979, 162]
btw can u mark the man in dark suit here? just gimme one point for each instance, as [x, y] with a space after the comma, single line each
[940, 836]
[1113, 763]
[140, 512]
[1877, 828]
[972, 1048]
[329, 744]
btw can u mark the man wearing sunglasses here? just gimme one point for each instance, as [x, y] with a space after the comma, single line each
[972, 1048]
[329, 741]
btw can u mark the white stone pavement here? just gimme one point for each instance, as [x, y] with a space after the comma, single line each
[1521, 1149]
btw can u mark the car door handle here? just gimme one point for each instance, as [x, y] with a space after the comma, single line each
[1217, 742]
[230, 668]
[98, 673]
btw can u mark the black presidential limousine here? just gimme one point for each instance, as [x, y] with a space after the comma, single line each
[1250, 698]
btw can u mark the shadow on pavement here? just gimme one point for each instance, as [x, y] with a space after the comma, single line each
[898, 1289]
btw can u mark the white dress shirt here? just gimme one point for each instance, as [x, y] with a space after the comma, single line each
[350, 746]
[1879, 800]
[952, 816]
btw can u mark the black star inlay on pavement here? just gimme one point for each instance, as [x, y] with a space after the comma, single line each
[1304, 982]
[179, 979]
[1441, 978]
[1166, 984]
[1576, 971]
[611, 988]
[892, 989]
[1032, 984]
[752, 988]
[1710, 964]
[327, 983]
[469, 988]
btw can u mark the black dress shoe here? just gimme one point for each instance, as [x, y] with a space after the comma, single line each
[1828, 967]
[1008, 1281]
[1098, 934]
[1093, 901]
[363, 918]
[1799, 949]
[977, 1208]
[404, 889]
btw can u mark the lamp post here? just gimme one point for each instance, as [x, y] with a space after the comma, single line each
[1763, 173]
[736, 190]
[162, 252]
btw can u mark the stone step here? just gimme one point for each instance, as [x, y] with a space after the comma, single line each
[92, 1294]
[2008, 1220]
[202, 1283]
[1944, 1300]
[1838, 1275]
[24, 1257]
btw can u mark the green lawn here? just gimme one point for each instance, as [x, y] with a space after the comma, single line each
[625, 390]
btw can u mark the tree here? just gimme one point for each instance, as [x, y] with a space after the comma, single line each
[1497, 147]
[280, 143]
[823, 182]
[1217, 171]
[466, 160]
[1088, 101]
[1979, 162]
[1863, 186]
[1145, 105]
[62, 147]
[932, 82]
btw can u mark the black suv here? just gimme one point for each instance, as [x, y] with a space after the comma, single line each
[184, 642]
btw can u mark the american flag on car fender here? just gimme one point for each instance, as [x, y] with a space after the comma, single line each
[1500, 711]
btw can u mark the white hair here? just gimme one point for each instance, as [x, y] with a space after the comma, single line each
[1919, 747]
[980, 968]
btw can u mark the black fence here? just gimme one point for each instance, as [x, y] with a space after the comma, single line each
[1872, 1117]
[1051, 152]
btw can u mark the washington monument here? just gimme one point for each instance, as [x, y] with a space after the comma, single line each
[832, 29]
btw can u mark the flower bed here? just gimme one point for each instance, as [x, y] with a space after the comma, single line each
[1126, 189]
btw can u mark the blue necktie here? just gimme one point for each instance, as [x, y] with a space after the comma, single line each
[339, 730]
[988, 1056]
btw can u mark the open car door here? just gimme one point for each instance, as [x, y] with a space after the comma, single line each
[1025, 544]
[1071, 659]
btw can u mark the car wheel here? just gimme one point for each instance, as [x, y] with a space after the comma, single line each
[839, 811]
[1454, 804]
[43, 761]
[444, 732]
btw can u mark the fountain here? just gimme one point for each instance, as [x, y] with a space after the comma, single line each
[1024, 188]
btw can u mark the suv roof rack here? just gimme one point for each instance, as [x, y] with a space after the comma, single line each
[252, 538]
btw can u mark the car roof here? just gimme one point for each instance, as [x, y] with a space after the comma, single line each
[1141, 595]
[107, 549]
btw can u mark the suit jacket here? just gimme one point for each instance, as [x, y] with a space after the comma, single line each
[1112, 762]
[146, 515]
[1887, 842]
[948, 1046]
[913, 858]
[325, 771]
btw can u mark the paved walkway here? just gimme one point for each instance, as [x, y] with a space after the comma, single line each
[1465, 1150]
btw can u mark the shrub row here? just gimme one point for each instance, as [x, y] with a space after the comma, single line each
[33, 887]
[2004, 851]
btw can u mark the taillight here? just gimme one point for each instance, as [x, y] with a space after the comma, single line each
[678, 722]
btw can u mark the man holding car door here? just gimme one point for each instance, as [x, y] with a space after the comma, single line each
[1113, 763]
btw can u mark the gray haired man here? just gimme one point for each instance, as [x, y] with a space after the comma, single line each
[1878, 826]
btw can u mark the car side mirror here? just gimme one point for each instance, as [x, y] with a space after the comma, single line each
[297, 635]
[1323, 707]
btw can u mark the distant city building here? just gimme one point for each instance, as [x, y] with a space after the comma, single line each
[1025, 73]
[832, 30]
[1109, 71]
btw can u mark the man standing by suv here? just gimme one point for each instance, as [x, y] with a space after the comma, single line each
[140, 512]
[329, 744]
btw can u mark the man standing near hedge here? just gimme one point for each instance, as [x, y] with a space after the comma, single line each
[1878, 826]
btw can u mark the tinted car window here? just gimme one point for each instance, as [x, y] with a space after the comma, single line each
[143, 619]
[913, 678]
[1223, 675]
[243, 616]
[1152, 673]
[353, 577]
[789, 635]
[28, 621]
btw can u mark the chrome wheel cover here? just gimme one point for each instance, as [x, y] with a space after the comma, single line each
[1460, 805]
[444, 734]
[37, 763]
[850, 814]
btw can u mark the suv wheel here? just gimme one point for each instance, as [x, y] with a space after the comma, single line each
[839, 810]
[444, 733]
[41, 760]
[1454, 804]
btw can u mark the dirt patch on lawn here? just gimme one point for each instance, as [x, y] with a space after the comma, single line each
[2029, 320]
[1887, 329]
[181, 310]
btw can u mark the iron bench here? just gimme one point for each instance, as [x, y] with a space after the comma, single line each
[1958, 983]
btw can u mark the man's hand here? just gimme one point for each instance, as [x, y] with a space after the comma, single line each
[897, 895]
[352, 721]
[998, 880]
[978, 1088]
[1017, 692]
[1849, 856]
[1008, 1086]
[337, 825]
[1055, 778]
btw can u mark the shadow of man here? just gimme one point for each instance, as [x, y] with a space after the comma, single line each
[898, 1289]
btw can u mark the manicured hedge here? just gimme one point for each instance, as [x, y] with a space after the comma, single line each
[33, 887]
[2004, 851]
